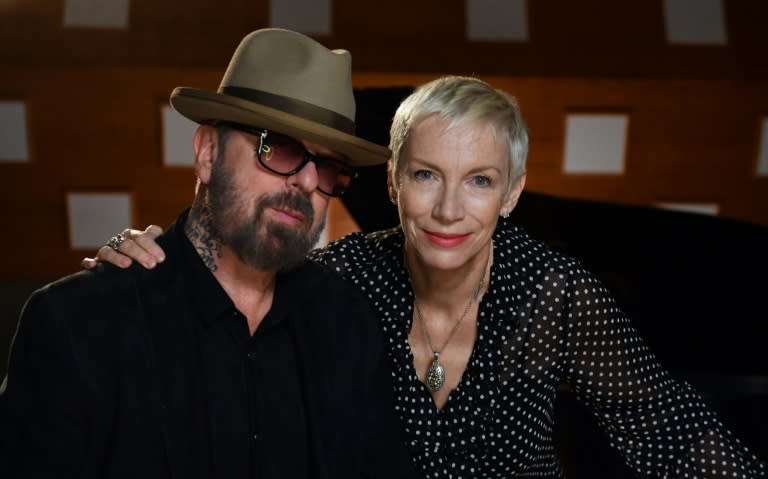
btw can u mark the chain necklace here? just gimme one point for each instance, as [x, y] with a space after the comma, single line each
[436, 373]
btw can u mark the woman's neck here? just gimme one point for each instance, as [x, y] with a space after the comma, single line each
[448, 289]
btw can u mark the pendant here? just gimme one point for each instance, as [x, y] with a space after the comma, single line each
[435, 374]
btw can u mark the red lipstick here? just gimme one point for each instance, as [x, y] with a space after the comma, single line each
[445, 240]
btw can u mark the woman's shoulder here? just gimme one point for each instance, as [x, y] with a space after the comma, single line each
[359, 251]
[514, 243]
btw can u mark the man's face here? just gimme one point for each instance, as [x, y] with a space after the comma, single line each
[269, 221]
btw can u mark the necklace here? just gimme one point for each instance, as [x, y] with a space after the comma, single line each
[436, 373]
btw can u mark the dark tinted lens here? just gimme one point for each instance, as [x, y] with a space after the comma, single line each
[334, 177]
[282, 154]
[285, 156]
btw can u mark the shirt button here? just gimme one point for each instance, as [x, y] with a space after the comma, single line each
[252, 355]
[256, 437]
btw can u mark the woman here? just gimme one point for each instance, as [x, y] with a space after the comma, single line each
[483, 322]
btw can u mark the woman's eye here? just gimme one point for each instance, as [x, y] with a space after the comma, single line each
[481, 180]
[422, 175]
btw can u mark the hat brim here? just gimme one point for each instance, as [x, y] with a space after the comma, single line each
[203, 106]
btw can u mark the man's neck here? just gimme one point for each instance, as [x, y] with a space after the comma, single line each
[251, 290]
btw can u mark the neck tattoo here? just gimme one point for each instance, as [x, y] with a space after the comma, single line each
[199, 229]
[436, 373]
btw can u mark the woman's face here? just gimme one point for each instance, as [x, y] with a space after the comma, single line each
[450, 191]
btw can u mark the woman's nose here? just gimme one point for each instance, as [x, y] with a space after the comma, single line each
[449, 206]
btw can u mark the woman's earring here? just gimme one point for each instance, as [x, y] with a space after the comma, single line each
[505, 214]
[393, 200]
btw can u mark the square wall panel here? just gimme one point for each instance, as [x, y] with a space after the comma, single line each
[762, 156]
[698, 208]
[95, 217]
[312, 17]
[595, 143]
[177, 138]
[497, 20]
[13, 132]
[695, 22]
[96, 13]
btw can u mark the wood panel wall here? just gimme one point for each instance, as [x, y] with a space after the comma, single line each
[94, 96]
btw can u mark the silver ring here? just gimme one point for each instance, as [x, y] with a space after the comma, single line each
[115, 241]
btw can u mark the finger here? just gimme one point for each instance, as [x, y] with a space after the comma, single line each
[88, 263]
[131, 233]
[154, 230]
[108, 255]
[146, 240]
[132, 249]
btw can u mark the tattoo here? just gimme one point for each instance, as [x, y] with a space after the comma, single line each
[201, 232]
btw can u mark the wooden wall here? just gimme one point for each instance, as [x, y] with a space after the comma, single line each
[93, 100]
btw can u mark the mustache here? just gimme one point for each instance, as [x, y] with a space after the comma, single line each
[292, 201]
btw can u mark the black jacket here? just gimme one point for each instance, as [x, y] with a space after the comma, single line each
[103, 379]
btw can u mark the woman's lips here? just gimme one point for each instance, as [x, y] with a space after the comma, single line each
[446, 240]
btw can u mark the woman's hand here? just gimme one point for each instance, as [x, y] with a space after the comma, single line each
[138, 245]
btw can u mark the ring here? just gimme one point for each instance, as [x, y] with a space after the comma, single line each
[115, 241]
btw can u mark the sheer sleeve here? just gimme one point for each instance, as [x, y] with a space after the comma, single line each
[661, 425]
[356, 252]
[332, 256]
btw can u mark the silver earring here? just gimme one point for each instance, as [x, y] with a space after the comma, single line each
[392, 195]
[505, 214]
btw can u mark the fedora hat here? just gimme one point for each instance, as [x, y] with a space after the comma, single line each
[287, 82]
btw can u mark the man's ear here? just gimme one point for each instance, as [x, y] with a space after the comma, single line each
[206, 146]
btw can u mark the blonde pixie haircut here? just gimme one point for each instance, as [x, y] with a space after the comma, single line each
[463, 100]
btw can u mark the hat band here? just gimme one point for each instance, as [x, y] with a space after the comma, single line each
[294, 107]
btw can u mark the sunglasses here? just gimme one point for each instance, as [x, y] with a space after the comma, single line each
[284, 156]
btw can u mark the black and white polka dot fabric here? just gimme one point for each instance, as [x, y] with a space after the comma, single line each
[544, 321]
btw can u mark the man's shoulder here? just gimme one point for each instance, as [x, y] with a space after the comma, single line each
[318, 285]
[81, 308]
[315, 276]
[103, 279]
[81, 294]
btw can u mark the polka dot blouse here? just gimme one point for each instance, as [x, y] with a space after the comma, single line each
[543, 321]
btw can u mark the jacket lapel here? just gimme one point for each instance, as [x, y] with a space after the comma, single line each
[175, 366]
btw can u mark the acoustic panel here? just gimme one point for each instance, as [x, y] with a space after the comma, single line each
[312, 17]
[96, 13]
[95, 217]
[497, 20]
[177, 138]
[13, 132]
[762, 155]
[595, 143]
[695, 22]
[699, 208]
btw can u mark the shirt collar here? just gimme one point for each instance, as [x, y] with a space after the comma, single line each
[208, 297]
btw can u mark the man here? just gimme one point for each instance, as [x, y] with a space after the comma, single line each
[235, 357]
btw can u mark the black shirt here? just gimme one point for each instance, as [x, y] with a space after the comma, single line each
[118, 374]
[255, 377]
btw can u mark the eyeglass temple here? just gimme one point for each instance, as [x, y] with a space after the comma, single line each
[262, 138]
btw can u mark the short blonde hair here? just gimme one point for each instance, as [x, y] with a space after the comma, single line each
[464, 99]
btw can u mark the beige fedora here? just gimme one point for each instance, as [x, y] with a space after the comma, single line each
[287, 82]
